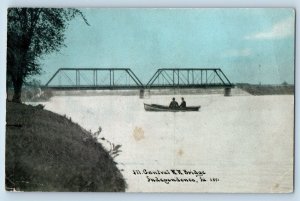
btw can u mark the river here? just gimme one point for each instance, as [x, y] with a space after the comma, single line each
[246, 142]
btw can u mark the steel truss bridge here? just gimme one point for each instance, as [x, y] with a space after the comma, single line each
[124, 78]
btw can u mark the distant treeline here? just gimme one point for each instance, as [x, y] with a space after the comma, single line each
[259, 89]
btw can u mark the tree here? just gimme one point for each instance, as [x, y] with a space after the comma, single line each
[32, 33]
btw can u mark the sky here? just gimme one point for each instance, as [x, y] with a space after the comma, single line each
[249, 45]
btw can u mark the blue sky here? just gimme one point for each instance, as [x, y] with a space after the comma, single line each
[249, 45]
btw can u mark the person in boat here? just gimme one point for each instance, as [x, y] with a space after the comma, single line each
[183, 103]
[173, 104]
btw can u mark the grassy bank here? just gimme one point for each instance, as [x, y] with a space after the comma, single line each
[48, 152]
[267, 89]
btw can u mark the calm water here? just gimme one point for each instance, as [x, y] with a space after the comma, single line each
[244, 141]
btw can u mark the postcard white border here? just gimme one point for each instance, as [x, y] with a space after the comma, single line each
[139, 3]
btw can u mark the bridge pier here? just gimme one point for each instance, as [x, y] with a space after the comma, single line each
[142, 93]
[227, 91]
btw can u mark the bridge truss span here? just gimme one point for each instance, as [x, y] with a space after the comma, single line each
[94, 78]
[189, 78]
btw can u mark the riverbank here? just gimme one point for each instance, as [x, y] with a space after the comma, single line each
[259, 90]
[48, 152]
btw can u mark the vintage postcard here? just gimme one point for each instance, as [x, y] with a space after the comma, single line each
[150, 100]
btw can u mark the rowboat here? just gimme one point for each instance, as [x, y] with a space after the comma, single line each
[162, 108]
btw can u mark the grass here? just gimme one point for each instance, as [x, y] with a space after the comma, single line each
[48, 152]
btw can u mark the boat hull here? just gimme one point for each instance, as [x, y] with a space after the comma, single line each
[162, 108]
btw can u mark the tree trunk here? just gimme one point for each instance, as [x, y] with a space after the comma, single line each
[18, 82]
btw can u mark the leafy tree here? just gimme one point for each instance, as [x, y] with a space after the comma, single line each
[32, 33]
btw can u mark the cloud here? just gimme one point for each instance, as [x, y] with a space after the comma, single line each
[238, 53]
[281, 29]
